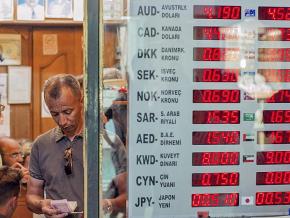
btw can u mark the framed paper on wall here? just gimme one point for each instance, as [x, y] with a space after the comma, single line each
[58, 9]
[19, 84]
[30, 10]
[10, 49]
[6, 9]
[78, 10]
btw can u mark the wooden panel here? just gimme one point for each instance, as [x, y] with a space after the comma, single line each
[110, 44]
[69, 59]
[21, 115]
[21, 125]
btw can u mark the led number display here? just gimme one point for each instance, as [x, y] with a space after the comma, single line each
[215, 75]
[273, 178]
[216, 96]
[274, 54]
[216, 117]
[273, 137]
[273, 157]
[217, 12]
[216, 138]
[274, 34]
[274, 13]
[272, 198]
[215, 200]
[275, 75]
[282, 96]
[215, 179]
[276, 116]
[215, 33]
[215, 158]
[216, 54]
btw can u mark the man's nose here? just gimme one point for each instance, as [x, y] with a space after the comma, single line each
[20, 158]
[62, 120]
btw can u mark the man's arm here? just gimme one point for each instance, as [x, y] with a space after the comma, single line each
[35, 201]
[119, 203]
[34, 195]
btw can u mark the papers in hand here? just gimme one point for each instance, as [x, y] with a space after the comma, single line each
[64, 205]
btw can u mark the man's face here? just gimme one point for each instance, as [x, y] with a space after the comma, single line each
[11, 152]
[66, 112]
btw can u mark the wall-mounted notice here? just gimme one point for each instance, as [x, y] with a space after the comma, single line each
[19, 85]
[10, 49]
[209, 98]
[5, 115]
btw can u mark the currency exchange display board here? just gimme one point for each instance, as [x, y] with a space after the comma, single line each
[209, 108]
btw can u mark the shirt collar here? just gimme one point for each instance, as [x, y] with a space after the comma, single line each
[59, 135]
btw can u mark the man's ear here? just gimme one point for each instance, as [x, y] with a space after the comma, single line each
[12, 203]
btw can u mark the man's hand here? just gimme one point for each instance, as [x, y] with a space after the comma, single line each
[23, 170]
[49, 211]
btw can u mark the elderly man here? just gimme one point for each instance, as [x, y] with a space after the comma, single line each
[12, 155]
[56, 160]
[9, 190]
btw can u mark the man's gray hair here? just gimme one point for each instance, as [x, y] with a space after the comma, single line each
[53, 86]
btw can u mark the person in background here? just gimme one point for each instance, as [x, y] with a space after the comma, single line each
[26, 146]
[30, 10]
[56, 159]
[118, 113]
[12, 155]
[9, 190]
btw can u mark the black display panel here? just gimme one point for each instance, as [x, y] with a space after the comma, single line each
[273, 157]
[217, 12]
[215, 179]
[216, 117]
[216, 96]
[215, 158]
[215, 75]
[215, 33]
[273, 137]
[215, 200]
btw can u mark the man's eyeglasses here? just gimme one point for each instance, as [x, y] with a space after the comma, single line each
[15, 155]
[68, 165]
[2, 107]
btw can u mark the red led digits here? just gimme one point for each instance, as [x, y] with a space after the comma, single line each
[274, 13]
[216, 138]
[273, 137]
[215, 33]
[276, 116]
[216, 117]
[217, 12]
[215, 158]
[215, 179]
[216, 54]
[274, 54]
[216, 96]
[273, 178]
[275, 75]
[273, 157]
[274, 34]
[272, 198]
[215, 200]
[215, 75]
[282, 96]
